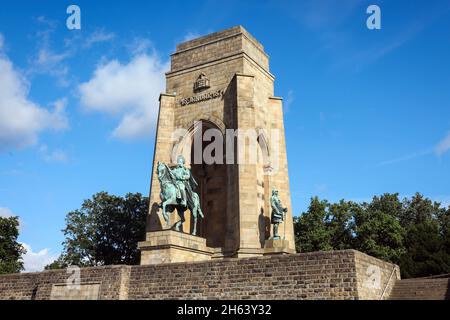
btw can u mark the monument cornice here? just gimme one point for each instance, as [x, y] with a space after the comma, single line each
[252, 41]
[276, 98]
[171, 95]
[233, 56]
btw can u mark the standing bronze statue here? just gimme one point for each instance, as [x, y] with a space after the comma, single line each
[177, 192]
[278, 213]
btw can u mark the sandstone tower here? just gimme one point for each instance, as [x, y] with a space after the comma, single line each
[221, 81]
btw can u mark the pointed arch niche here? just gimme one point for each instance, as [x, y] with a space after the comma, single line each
[212, 182]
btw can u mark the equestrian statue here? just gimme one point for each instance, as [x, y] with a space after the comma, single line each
[177, 192]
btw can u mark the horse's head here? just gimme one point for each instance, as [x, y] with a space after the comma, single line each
[159, 168]
[161, 171]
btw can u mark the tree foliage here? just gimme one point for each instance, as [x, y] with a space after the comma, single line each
[104, 231]
[11, 251]
[311, 233]
[377, 230]
[414, 233]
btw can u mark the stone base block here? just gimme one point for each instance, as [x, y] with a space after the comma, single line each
[277, 246]
[168, 246]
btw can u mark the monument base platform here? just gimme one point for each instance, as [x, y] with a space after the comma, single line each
[346, 274]
[277, 246]
[168, 246]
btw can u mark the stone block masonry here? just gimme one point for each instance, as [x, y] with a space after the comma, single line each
[346, 274]
[223, 82]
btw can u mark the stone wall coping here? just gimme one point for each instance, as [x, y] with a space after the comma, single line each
[37, 273]
[369, 257]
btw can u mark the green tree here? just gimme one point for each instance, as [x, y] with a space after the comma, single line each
[377, 229]
[443, 217]
[425, 225]
[311, 232]
[10, 250]
[414, 233]
[444, 230]
[340, 224]
[104, 231]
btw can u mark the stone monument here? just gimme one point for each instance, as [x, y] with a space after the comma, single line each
[204, 211]
[218, 84]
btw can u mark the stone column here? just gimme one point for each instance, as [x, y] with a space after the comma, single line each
[162, 152]
[249, 244]
[280, 178]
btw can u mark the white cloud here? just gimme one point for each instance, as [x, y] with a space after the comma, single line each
[406, 157]
[443, 146]
[53, 156]
[98, 37]
[51, 63]
[129, 90]
[36, 261]
[139, 46]
[48, 60]
[6, 213]
[320, 188]
[21, 120]
[190, 36]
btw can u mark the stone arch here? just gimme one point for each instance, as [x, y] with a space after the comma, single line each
[211, 179]
[215, 121]
[184, 144]
[263, 171]
[264, 148]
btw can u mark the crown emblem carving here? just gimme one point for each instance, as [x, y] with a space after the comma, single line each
[201, 83]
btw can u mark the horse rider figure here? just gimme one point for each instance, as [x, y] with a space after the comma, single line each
[184, 182]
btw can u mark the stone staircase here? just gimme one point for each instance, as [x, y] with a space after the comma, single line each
[431, 288]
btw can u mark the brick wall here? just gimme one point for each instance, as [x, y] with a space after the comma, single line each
[38, 285]
[318, 275]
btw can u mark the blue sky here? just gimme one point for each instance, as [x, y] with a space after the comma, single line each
[366, 111]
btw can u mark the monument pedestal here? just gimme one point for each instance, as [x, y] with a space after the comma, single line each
[277, 246]
[169, 246]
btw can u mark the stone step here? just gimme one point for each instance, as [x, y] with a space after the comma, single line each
[421, 289]
[421, 298]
